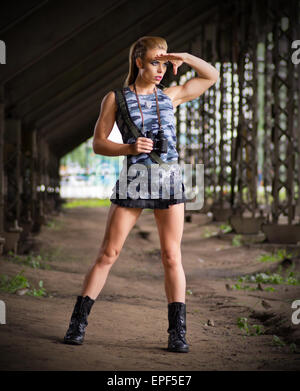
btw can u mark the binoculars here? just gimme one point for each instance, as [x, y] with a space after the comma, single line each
[160, 143]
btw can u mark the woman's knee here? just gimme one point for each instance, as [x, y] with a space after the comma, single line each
[108, 256]
[171, 258]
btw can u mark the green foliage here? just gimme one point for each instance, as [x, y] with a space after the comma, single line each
[267, 258]
[242, 324]
[275, 257]
[208, 233]
[277, 341]
[238, 287]
[34, 261]
[250, 330]
[225, 228]
[259, 329]
[38, 292]
[87, 203]
[255, 330]
[237, 240]
[269, 289]
[13, 284]
[244, 287]
[290, 278]
[268, 278]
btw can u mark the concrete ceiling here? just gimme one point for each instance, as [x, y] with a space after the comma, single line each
[64, 56]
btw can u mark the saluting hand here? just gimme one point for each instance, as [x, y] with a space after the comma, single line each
[177, 59]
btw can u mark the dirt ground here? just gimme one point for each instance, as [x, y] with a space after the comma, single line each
[128, 324]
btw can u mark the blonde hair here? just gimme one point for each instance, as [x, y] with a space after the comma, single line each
[139, 49]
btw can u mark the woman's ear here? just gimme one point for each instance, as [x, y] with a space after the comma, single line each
[139, 62]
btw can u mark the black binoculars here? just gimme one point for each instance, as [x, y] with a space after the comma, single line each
[160, 143]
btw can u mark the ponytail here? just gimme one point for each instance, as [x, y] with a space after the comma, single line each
[139, 49]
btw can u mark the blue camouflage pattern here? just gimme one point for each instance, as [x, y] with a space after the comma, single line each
[150, 122]
[173, 176]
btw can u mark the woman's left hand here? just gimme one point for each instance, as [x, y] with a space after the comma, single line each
[177, 59]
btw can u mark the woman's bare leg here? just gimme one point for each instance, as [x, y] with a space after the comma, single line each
[119, 223]
[170, 223]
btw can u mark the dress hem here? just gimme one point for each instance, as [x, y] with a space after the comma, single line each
[147, 203]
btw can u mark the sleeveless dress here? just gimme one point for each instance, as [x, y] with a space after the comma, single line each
[135, 187]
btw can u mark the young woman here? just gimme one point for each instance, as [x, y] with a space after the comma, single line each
[151, 109]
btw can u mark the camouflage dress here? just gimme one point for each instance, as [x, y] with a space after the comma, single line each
[142, 183]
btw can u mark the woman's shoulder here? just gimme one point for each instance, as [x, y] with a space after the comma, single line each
[111, 94]
[110, 100]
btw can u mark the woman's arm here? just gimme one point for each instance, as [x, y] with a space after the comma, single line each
[193, 88]
[103, 128]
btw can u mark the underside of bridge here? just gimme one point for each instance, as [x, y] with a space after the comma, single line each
[59, 58]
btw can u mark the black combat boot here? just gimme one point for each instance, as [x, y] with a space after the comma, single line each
[78, 322]
[177, 327]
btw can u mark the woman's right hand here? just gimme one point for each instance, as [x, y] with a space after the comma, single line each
[142, 145]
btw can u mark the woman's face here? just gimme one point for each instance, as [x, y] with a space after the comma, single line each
[150, 69]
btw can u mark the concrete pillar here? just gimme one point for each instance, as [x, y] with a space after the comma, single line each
[58, 200]
[12, 139]
[40, 182]
[33, 173]
[12, 166]
[46, 176]
[26, 221]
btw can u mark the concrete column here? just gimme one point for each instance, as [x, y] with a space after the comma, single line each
[40, 183]
[13, 157]
[46, 176]
[33, 173]
[25, 220]
[57, 197]
[12, 166]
